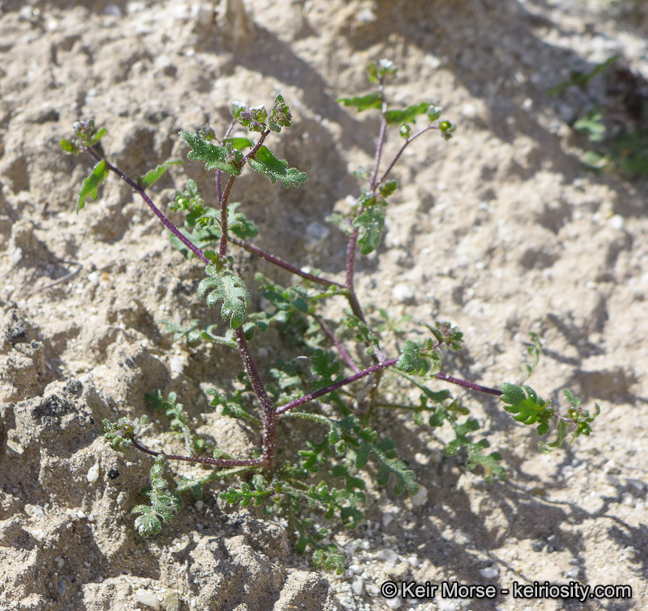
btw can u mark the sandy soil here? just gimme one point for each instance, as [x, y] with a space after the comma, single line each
[502, 231]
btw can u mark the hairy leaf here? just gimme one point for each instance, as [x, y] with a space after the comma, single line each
[413, 359]
[371, 224]
[90, 184]
[240, 143]
[406, 115]
[69, 147]
[214, 157]
[371, 100]
[527, 406]
[489, 462]
[153, 176]
[226, 286]
[275, 169]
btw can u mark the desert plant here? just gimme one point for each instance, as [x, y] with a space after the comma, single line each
[326, 474]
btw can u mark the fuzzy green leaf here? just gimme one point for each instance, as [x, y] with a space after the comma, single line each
[214, 157]
[371, 100]
[154, 175]
[412, 359]
[239, 224]
[406, 115]
[69, 147]
[239, 143]
[90, 184]
[226, 286]
[527, 406]
[275, 169]
[371, 224]
[384, 453]
[148, 523]
[489, 462]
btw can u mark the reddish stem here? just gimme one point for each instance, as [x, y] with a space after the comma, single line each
[283, 264]
[167, 223]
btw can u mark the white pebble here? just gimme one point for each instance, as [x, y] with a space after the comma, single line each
[93, 473]
[420, 498]
[147, 598]
[387, 519]
[388, 555]
[394, 603]
[176, 365]
[490, 572]
[403, 293]
[616, 222]
[357, 585]
[573, 572]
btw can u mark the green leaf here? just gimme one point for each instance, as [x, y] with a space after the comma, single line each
[214, 157]
[406, 115]
[148, 523]
[384, 453]
[413, 359]
[226, 286]
[98, 136]
[527, 407]
[69, 147]
[388, 188]
[153, 176]
[239, 143]
[90, 184]
[239, 224]
[489, 462]
[276, 169]
[592, 124]
[371, 100]
[371, 224]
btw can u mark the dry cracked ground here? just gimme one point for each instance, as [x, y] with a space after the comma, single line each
[502, 231]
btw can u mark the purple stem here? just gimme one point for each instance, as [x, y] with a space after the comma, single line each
[325, 391]
[216, 462]
[281, 263]
[338, 344]
[167, 223]
[471, 385]
[267, 407]
[402, 149]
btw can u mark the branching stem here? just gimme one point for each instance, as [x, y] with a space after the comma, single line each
[167, 223]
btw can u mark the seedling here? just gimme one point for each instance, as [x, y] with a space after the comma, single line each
[340, 353]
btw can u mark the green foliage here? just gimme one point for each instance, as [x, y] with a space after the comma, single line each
[364, 102]
[475, 451]
[152, 176]
[91, 184]
[527, 407]
[227, 159]
[333, 370]
[178, 420]
[419, 358]
[224, 285]
[371, 224]
[406, 115]
[122, 432]
[164, 504]
[615, 127]
[275, 169]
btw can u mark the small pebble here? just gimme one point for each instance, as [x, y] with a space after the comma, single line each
[403, 293]
[421, 497]
[490, 572]
[93, 473]
[147, 598]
